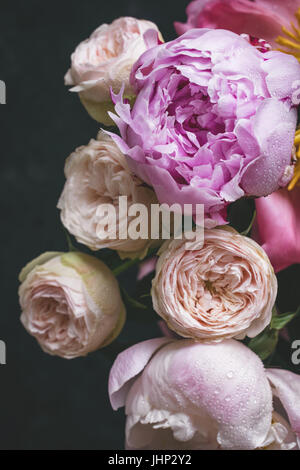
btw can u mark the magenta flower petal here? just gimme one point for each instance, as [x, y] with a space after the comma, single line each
[259, 18]
[277, 227]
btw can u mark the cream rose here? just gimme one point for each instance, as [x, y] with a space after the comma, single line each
[71, 303]
[104, 61]
[223, 289]
[97, 175]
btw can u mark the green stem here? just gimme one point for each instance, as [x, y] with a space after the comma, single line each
[132, 262]
[71, 247]
[247, 231]
[127, 265]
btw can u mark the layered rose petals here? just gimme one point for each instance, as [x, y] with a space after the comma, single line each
[105, 60]
[223, 289]
[97, 176]
[70, 303]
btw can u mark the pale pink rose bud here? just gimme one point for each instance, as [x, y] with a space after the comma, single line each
[104, 62]
[70, 303]
[223, 289]
[182, 394]
[97, 175]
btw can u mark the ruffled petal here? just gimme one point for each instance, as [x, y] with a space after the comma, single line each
[286, 386]
[127, 366]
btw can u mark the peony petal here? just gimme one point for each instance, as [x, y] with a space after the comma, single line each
[281, 71]
[274, 129]
[259, 18]
[127, 366]
[206, 395]
[279, 214]
[286, 387]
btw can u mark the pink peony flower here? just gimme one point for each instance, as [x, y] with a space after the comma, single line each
[225, 289]
[70, 303]
[259, 18]
[105, 60]
[180, 394]
[277, 227]
[213, 120]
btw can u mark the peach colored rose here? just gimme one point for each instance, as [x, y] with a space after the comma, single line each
[70, 303]
[224, 289]
[98, 174]
[182, 394]
[104, 61]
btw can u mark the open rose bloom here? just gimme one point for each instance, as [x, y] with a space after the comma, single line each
[97, 176]
[187, 395]
[213, 120]
[104, 61]
[70, 303]
[223, 289]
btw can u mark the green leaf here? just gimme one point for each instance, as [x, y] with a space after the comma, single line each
[124, 266]
[265, 343]
[145, 296]
[132, 302]
[280, 321]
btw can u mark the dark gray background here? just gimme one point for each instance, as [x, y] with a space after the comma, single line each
[46, 402]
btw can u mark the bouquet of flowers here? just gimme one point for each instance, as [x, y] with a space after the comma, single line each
[197, 134]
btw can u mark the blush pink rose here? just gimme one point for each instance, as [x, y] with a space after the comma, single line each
[259, 18]
[223, 289]
[71, 303]
[277, 227]
[182, 394]
[97, 174]
[104, 61]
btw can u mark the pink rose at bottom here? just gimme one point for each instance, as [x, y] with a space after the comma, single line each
[180, 394]
[277, 227]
